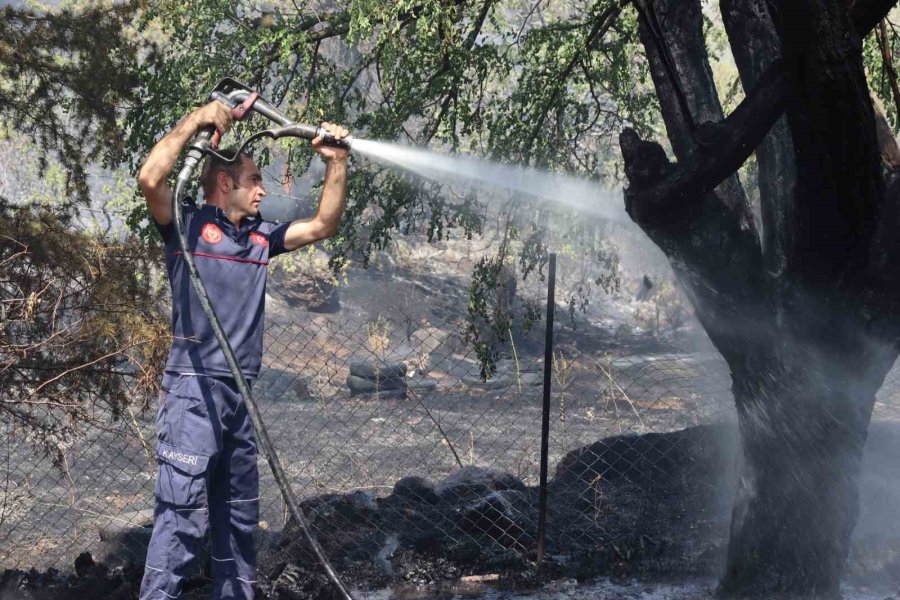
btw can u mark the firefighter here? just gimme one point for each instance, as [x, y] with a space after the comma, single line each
[206, 448]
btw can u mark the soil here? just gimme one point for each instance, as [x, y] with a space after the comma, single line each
[650, 516]
[411, 537]
[635, 504]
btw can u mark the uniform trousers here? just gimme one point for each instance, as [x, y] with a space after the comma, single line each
[207, 483]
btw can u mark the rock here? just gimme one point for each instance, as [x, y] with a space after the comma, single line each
[496, 515]
[366, 386]
[639, 457]
[476, 481]
[491, 384]
[277, 385]
[416, 489]
[422, 385]
[458, 366]
[378, 370]
[662, 369]
[427, 340]
[401, 353]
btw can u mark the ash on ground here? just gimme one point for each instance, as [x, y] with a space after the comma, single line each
[644, 505]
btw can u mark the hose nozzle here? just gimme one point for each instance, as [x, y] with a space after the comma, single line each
[311, 132]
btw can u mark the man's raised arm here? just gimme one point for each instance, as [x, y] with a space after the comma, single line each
[161, 160]
[334, 195]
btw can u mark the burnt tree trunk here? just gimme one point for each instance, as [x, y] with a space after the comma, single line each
[804, 311]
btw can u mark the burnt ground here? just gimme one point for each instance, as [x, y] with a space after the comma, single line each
[619, 511]
[636, 504]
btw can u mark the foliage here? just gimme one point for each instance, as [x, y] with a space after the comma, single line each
[882, 72]
[535, 83]
[64, 77]
[79, 320]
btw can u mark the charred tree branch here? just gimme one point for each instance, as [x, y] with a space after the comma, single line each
[832, 124]
[657, 186]
[659, 193]
[867, 13]
[754, 45]
[651, 23]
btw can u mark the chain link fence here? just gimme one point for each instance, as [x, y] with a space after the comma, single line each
[396, 445]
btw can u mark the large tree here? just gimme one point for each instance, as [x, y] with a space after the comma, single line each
[805, 311]
[802, 306]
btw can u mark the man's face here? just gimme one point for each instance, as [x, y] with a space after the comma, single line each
[248, 191]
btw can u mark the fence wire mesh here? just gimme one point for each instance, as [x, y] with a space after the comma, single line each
[395, 443]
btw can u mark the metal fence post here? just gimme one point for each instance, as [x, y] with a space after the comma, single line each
[545, 421]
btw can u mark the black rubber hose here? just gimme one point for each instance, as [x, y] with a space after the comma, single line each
[262, 434]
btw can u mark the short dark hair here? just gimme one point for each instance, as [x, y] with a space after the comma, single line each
[213, 165]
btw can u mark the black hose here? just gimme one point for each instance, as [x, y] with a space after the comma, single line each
[191, 162]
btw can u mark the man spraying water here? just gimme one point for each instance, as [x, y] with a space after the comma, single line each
[206, 449]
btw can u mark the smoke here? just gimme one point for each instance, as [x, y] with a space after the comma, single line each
[586, 197]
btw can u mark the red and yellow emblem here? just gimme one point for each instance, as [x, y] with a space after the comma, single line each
[211, 233]
[259, 239]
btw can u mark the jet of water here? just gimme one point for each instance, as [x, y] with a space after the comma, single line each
[584, 196]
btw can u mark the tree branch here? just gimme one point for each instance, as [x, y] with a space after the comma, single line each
[888, 60]
[657, 192]
[755, 47]
[668, 187]
[833, 129]
[867, 13]
[430, 132]
[601, 25]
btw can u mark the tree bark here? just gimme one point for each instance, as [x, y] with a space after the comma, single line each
[833, 129]
[803, 411]
[755, 48]
[807, 319]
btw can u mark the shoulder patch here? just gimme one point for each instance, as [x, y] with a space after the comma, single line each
[259, 239]
[211, 233]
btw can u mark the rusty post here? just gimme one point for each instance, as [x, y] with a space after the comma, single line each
[545, 421]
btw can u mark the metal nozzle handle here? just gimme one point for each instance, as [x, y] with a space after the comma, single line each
[311, 132]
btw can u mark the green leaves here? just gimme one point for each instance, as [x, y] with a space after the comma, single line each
[63, 77]
[533, 82]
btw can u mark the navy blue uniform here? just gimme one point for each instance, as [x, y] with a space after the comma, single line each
[232, 263]
[206, 448]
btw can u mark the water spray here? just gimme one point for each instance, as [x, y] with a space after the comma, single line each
[243, 101]
[585, 196]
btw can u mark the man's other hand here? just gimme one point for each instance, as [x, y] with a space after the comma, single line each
[330, 152]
